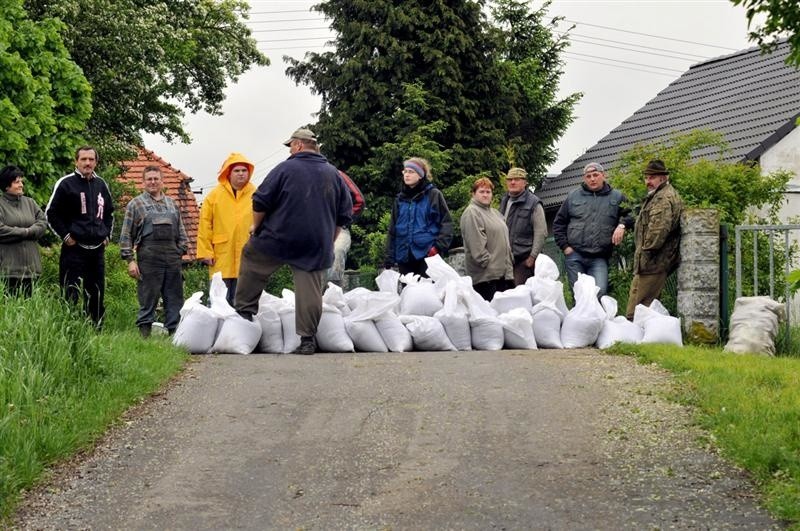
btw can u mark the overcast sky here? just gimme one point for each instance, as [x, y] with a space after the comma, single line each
[622, 54]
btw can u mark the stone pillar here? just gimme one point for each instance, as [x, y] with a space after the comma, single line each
[698, 276]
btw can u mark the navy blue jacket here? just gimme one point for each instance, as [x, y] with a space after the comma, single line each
[304, 200]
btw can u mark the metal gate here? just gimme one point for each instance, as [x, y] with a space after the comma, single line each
[789, 235]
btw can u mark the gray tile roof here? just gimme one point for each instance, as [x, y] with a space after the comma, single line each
[753, 99]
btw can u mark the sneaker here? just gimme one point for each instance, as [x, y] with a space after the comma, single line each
[308, 345]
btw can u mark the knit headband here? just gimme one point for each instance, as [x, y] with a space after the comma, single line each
[416, 167]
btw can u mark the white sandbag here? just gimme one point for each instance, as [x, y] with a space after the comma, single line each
[754, 325]
[218, 297]
[547, 290]
[365, 335]
[331, 333]
[395, 334]
[237, 335]
[616, 329]
[510, 299]
[454, 318]
[387, 281]
[518, 329]
[487, 333]
[583, 323]
[657, 325]
[334, 296]
[365, 304]
[419, 296]
[198, 326]
[547, 325]
[545, 267]
[427, 332]
[288, 323]
[440, 271]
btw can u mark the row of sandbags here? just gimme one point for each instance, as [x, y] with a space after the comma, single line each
[440, 313]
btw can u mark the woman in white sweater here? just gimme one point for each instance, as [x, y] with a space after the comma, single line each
[488, 252]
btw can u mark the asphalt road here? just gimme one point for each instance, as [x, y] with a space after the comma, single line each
[471, 440]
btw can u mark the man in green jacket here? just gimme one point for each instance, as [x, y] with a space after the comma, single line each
[658, 237]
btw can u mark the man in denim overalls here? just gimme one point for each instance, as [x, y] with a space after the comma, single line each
[153, 227]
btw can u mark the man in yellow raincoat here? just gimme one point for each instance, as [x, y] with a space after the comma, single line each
[225, 219]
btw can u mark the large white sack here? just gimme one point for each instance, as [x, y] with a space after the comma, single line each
[657, 325]
[440, 271]
[427, 332]
[510, 299]
[487, 333]
[237, 335]
[331, 333]
[270, 321]
[518, 329]
[583, 323]
[365, 335]
[395, 334]
[288, 324]
[616, 328]
[334, 296]
[547, 325]
[419, 297]
[547, 290]
[454, 318]
[198, 326]
[545, 267]
[218, 297]
[387, 281]
[365, 304]
[754, 325]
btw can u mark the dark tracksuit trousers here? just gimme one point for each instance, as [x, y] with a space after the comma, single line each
[84, 271]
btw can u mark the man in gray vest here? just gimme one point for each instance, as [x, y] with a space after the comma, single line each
[591, 221]
[527, 228]
[154, 229]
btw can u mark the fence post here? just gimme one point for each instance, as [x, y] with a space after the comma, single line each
[698, 276]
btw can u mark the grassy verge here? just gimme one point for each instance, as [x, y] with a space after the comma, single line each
[751, 406]
[62, 384]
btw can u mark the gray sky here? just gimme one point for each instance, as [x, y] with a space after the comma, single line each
[622, 54]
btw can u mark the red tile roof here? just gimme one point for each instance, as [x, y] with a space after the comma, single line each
[177, 186]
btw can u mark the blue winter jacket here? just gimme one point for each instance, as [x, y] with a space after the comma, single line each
[418, 223]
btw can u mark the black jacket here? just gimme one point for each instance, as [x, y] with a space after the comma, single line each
[81, 208]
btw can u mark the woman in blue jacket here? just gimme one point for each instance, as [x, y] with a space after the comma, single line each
[421, 225]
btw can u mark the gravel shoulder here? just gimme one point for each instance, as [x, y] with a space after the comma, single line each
[549, 439]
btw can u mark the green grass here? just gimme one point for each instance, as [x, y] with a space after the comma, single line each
[62, 384]
[751, 405]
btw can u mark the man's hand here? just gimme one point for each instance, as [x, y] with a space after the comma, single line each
[433, 252]
[619, 233]
[529, 262]
[69, 241]
[207, 261]
[133, 270]
[567, 250]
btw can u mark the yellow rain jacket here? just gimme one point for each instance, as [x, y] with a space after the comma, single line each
[225, 220]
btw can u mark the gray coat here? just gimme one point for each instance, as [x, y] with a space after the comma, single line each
[488, 253]
[22, 222]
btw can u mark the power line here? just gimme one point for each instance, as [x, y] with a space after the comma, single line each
[297, 39]
[650, 35]
[622, 67]
[288, 29]
[284, 20]
[632, 50]
[277, 12]
[570, 35]
[626, 62]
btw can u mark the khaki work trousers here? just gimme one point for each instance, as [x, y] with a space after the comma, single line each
[254, 271]
[644, 290]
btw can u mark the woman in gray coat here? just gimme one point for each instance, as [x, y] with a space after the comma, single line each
[487, 256]
[22, 222]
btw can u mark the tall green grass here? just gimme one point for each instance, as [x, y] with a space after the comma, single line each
[751, 405]
[62, 383]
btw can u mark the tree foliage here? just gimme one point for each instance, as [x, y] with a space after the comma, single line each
[491, 83]
[781, 18]
[45, 100]
[736, 189]
[148, 60]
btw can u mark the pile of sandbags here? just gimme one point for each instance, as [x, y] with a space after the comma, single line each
[442, 312]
